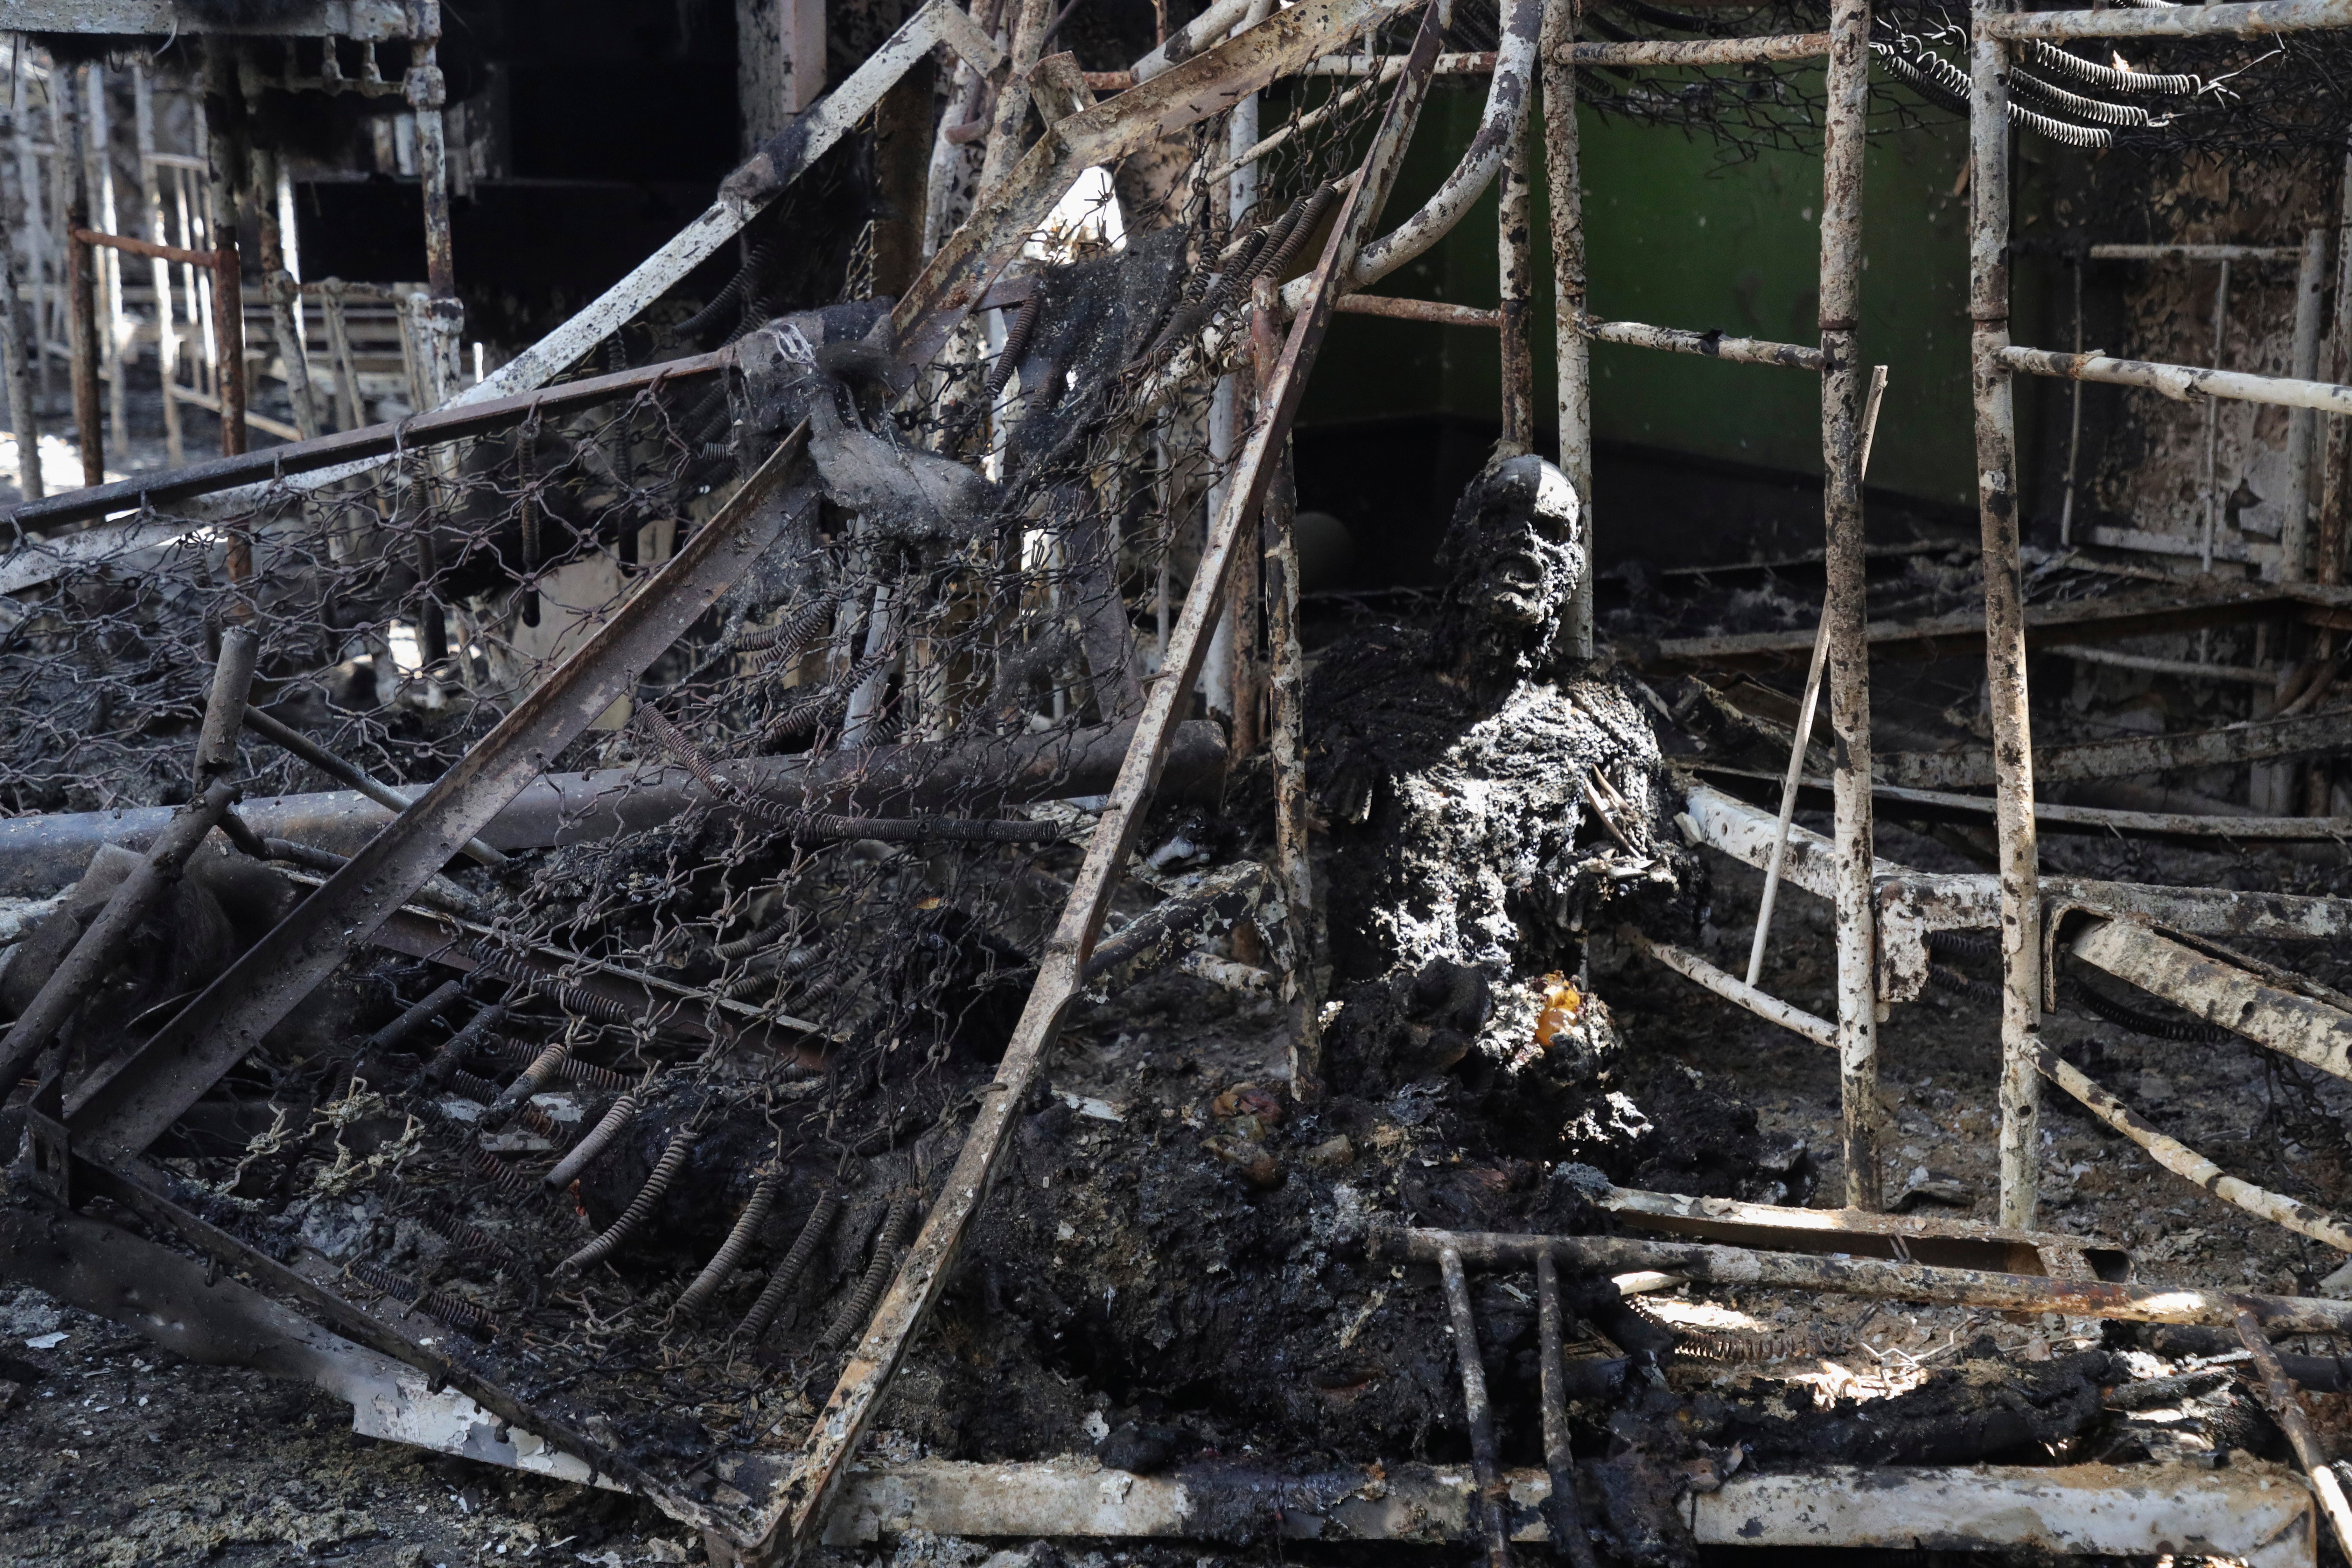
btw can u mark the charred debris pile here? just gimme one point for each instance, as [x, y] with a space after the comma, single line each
[784, 905]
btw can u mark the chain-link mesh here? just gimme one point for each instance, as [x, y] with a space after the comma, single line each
[695, 1056]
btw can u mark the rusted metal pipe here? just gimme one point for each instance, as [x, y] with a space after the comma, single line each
[1991, 134]
[82, 321]
[1572, 360]
[1514, 262]
[2182, 383]
[2191, 1166]
[1432, 310]
[224, 707]
[1732, 988]
[1493, 1492]
[1714, 345]
[1803, 737]
[1846, 612]
[288, 739]
[2259, 19]
[2279, 1394]
[1703, 51]
[1563, 1510]
[1877, 1278]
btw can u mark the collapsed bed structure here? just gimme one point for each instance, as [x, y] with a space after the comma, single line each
[755, 760]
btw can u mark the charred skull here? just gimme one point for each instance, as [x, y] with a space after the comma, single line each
[1516, 556]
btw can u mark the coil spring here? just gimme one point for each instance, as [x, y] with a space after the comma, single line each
[789, 639]
[1016, 343]
[747, 272]
[2129, 115]
[614, 1121]
[1940, 79]
[796, 1261]
[2051, 58]
[1726, 1348]
[2114, 1012]
[856, 1311]
[511, 1184]
[1952, 979]
[1310, 209]
[573, 1069]
[722, 1264]
[447, 1310]
[572, 998]
[1964, 943]
[640, 1209]
[473, 1086]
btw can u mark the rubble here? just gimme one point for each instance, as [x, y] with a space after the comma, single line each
[882, 975]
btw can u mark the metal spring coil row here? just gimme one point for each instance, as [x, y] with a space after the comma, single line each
[534, 1078]
[1016, 343]
[787, 639]
[414, 1017]
[610, 1125]
[722, 1264]
[571, 1069]
[640, 1209]
[1726, 1348]
[796, 1261]
[859, 1307]
[1965, 943]
[574, 998]
[2114, 1012]
[511, 1184]
[2051, 58]
[447, 1310]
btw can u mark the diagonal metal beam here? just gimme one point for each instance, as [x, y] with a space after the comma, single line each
[122, 1113]
[796, 1520]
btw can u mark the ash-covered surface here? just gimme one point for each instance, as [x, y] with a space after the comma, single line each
[1170, 1269]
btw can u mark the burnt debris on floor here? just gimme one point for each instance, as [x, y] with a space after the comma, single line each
[799, 914]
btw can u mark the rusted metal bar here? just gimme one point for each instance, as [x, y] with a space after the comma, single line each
[1563, 1511]
[288, 739]
[228, 274]
[1846, 612]
[1990, 133]
[1906, 1238]
[2051, 1512]
[1465, 64]
[2337, 446]
[1430, 310]
[1286, 689]
[1703, 51]
[1202, 32]
[225, 705]
[2243, 253]
[2279, 1394]
[1515, 265]
[1874, 1277]
[167, 328]
[1732, 988]
[2257, 739]
[2099, 818]
[461, 422]
[1493, 1494]
[2302, 365]
[1714, 345]
[146, 247]
[2259, 19]
[37, 853]
[798, 1518]
[1571, 359]
[23, 422]
[1005, 135]
[1961, 634]
[1801, 737]
[82, 295]
[2190, 1165]
[2187, 668]
[2182, 383]
[2305, 1026]
[121, 1113]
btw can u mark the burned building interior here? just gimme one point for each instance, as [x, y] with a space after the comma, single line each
[1027, 782]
